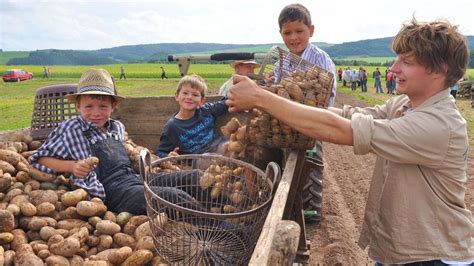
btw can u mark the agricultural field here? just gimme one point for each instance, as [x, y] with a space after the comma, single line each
[7, 55]
[16, 99]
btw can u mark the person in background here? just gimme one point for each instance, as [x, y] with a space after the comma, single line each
[363, 79]
[163, 73]
[346, 76]
[241, 67]
[454, 89]
[416, 212]
[339, 74]
[122, 73]
[45, 73]
[389, 78]
[192, 129]
[354, 78]
[377, 82]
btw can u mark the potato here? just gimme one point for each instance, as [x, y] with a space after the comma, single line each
[133, 223]
[27, 208]
[138, 257]
[7, 219]
[122, 240]
[145, 242]
[71, 198]
[39, 196]
[143, 230]
[230, 127]
[5, 238]
[45, 209]
[56, 260]
[207, 180]
[94, 207]
[92, 161]
[123, 217]
[106, 227]
[105, 242]
[25, 256]
[40, 176]
[7, 167]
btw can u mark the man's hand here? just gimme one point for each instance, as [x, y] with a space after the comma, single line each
[81, 169]
[243, 95]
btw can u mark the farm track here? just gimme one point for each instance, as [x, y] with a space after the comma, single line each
[346, 184]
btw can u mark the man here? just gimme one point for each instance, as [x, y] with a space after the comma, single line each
[415, 211]
[377, 82]
[241, 67]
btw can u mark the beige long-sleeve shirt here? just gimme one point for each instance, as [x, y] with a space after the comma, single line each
[415, 209]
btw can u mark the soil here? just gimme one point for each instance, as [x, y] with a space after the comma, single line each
[346, 184]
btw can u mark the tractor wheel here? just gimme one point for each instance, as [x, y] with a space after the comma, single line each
[313, 189]
[313, 194]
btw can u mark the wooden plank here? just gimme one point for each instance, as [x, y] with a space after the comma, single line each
[262, 250]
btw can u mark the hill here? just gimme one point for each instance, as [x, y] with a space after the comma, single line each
[159, 52]
[370, 48]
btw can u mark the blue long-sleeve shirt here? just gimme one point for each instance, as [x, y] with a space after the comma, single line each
[195, 135]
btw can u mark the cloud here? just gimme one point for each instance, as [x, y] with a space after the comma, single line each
[88, 24]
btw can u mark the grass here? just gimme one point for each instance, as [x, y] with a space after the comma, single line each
[17, 99]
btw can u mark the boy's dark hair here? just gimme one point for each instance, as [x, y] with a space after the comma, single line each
[437, 45]
[195, 81]
[294, 12]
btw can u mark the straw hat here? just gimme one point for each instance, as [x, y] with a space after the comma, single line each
[238, 62]
[95, 81]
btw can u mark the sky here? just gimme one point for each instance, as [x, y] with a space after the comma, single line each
[28, 25]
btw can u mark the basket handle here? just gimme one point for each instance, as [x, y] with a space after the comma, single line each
[273, 170]
[144, 163]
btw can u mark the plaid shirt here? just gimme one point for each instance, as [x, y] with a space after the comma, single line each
[321, 59]
[68, 142]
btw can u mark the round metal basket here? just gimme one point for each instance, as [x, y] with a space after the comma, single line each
[199, 220]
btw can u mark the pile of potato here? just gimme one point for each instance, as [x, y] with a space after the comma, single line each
[312, 88]
[43, 222]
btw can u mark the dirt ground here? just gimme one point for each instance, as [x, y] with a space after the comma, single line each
[346, 185]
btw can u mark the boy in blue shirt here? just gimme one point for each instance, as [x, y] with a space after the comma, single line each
[192, 129]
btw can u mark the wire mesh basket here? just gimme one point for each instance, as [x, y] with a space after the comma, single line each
[206, 209]
[294, 78]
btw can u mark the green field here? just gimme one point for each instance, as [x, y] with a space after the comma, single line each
[5, 56]
[16, 99]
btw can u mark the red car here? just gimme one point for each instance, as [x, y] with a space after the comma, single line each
[16, 75]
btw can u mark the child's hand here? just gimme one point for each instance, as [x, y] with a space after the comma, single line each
[174, 152]
[81, 169]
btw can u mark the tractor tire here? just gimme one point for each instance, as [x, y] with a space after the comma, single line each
[313, 188]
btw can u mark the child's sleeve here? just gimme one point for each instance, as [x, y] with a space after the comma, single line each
[167, 143]
[217, 108]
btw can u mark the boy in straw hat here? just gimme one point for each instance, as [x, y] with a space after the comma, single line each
[93, 133]
[241, 67]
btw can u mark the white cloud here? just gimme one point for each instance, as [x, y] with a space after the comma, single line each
[88, 24]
